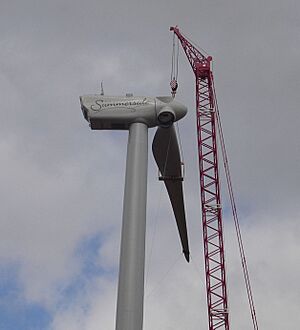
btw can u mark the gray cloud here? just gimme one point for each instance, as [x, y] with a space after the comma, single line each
[62, 183]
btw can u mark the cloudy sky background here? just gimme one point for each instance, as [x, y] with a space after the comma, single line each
[61, 184]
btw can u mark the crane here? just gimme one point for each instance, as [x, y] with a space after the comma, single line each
[208, 127]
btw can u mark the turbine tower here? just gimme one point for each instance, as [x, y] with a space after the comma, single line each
[137, 114]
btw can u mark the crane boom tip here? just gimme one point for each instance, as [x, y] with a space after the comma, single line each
[173, 28]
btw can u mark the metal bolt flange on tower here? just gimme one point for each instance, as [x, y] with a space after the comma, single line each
[137, 114]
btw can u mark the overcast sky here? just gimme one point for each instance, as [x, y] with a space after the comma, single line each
[61, 184]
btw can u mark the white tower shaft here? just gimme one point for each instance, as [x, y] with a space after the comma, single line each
[132, 256]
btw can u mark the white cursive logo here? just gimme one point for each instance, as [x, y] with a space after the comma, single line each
[101, 104]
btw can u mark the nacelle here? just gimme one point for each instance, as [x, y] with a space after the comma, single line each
[119, 112]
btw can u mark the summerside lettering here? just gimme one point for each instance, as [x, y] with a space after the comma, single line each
[101, 104]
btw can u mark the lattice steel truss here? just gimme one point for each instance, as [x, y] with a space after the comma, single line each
[211, 207]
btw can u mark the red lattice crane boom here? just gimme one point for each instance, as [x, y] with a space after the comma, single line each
[208, 123]
[209, 186]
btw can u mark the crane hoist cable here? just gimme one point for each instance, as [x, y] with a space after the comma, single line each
[236, 219]
[174, 69]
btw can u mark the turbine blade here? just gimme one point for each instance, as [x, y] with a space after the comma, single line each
[167, 156]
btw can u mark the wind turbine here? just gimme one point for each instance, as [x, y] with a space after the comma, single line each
[137, 114]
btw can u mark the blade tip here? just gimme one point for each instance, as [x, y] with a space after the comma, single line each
[187, 255]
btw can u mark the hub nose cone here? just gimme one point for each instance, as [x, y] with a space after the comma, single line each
[165, 103]
[166, 118]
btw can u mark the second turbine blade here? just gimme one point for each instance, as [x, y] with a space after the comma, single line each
[167, 156]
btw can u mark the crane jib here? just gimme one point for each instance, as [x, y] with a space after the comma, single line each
[208, 125]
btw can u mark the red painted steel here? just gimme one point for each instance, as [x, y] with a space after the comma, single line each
[209, 186]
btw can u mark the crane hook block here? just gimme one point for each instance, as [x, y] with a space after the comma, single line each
[174, 86]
